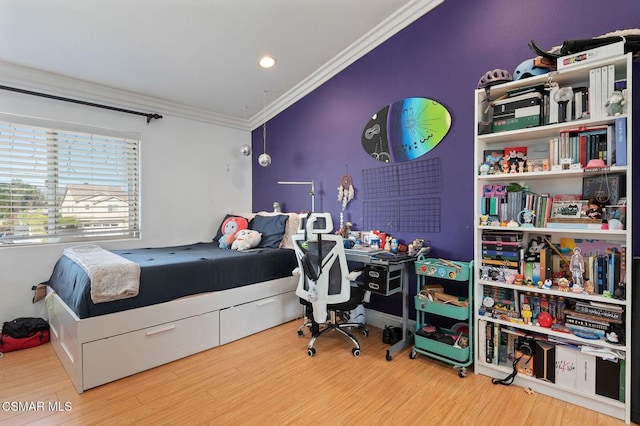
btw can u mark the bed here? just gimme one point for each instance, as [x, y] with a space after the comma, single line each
[191, 298]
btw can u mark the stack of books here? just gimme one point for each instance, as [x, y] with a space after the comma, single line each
[592, 319]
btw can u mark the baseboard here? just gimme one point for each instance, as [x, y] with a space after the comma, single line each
[382, 319]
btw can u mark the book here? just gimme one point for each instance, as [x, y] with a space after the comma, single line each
[516, 123]
[621, 141]
[608, 313]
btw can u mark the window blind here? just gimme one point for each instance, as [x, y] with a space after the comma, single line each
[63, 182]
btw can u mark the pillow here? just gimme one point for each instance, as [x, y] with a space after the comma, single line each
[290, 230]
[272, 229]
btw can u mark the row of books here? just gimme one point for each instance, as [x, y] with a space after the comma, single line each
[563, 364]
[504, 256]
[581, 144]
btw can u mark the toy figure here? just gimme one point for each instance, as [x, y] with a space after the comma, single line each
[229, 229]
[588, 287]
[246, 239]
[547, 284]
[526, 313]
[505, 164]
[519, 279]
[615, 104]
[594, 209]
[545, 165]
[577, 267]
[563, 284]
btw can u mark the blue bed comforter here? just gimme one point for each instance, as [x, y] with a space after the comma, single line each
[169, 273]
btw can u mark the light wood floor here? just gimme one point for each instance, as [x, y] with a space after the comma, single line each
[268, 379]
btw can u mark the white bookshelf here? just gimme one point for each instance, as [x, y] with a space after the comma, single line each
[553, 182]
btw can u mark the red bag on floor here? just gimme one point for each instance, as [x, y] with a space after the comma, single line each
[8, 343]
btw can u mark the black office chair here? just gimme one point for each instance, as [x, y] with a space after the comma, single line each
[326, 286]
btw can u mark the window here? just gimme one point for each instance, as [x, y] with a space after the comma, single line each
[64, 182]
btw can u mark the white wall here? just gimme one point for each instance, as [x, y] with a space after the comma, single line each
[192, 173]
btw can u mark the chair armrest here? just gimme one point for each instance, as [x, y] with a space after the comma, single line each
[296, 271]
[353, 275]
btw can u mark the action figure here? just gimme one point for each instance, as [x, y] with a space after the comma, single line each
[577, 266]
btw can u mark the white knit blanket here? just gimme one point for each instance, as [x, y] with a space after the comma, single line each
[112, 277]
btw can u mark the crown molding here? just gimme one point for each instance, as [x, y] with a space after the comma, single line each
[32, 79]
[404, 16]
[55, 84]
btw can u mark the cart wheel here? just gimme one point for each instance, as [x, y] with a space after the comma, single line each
[462, 372]
[413, 354]
[389, 357]
[311, 351]
[355, 352]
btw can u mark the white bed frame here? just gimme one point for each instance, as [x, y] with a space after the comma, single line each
[101, 349]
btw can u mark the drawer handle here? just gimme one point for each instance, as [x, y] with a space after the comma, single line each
[161, 330]
[266, 302]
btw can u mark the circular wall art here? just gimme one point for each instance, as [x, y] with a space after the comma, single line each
[406, 130]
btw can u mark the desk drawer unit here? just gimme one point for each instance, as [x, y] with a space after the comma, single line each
[383, 279]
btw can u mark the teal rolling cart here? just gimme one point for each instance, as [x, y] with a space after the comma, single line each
[444, 316]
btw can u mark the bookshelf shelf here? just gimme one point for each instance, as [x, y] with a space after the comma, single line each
[584, 323]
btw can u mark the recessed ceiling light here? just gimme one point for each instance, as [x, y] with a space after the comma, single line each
[267, 62]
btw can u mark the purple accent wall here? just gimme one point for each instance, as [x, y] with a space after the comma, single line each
[440, 56]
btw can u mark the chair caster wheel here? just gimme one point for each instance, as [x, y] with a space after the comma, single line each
[300, 333]
[311, 351]
[355, 352]
[365, 332]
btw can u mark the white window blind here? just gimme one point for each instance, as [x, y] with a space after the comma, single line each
[63, 182]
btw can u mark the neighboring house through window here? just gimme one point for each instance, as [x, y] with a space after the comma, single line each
[63, 182]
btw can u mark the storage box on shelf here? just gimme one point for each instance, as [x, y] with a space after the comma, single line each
[549, 268]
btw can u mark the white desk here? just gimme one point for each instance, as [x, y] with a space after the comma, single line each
[391, 265]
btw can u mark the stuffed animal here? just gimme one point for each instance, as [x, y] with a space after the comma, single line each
[246, 239]
[230, 228]
[615, 104]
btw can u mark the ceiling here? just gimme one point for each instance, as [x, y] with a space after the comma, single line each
[199, 57]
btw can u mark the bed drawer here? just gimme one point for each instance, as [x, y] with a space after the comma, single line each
[242, 320]
[116, 357]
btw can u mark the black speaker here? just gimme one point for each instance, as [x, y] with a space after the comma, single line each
[635, 343]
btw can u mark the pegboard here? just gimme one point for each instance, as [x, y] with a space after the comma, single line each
[394, 197]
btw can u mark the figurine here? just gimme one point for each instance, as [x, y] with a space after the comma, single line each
[545, 165]
[526, 313]
[594, 209]
[547, 284]
[563, 284]
[577, 267]
[519, 279]
[615, 104]
[520, 166]
[588, 287]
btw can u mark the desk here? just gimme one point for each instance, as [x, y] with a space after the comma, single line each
[391, 265]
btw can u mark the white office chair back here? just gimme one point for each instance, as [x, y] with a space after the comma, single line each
[332, 284]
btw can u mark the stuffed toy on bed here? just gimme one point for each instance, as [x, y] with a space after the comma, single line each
[246, 239]
[230, 228]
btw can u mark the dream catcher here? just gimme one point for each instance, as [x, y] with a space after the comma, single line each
[346, 192]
